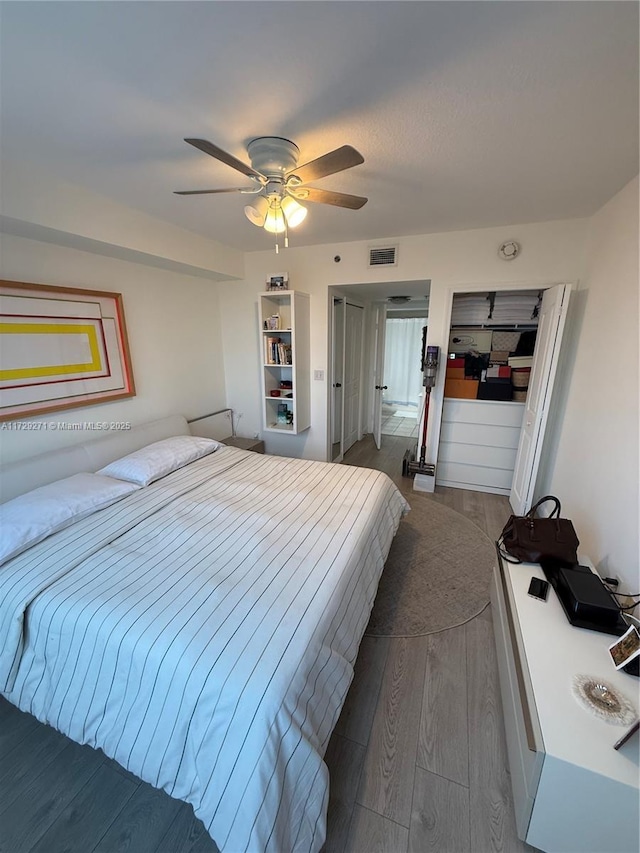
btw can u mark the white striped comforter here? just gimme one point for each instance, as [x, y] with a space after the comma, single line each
[202, 632]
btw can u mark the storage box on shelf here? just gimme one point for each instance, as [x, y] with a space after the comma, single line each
[497, 371]
[462, 388]
[284, 331]
[520, 377]
[495, 389]
[455, 372]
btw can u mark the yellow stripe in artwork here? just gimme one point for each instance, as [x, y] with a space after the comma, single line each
[56, 369]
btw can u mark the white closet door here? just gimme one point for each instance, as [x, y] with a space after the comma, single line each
[338, 369]
[352, 367]
[553, 313]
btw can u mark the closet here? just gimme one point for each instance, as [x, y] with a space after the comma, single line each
[490, 353]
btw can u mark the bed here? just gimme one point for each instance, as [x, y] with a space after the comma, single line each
[202, 629]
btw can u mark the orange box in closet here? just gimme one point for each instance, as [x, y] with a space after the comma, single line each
[466, 389]
[455, 372]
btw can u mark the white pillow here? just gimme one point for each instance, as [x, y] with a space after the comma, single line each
[160, 458]
[32, 517]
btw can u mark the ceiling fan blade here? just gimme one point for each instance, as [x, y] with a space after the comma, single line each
[354, 202]
[328, 164]
[206, 192]
[224, 157]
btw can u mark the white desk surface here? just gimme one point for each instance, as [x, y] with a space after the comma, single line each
[556, 651]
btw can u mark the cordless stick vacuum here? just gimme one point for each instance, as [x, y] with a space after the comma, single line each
[410, 465]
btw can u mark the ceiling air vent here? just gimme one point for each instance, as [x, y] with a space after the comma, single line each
[383, 256]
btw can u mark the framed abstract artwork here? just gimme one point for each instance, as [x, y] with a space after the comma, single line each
[60, 348]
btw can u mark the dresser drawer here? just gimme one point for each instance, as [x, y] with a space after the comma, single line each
[488, 412]
[477, 454]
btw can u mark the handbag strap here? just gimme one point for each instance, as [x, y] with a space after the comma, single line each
[555, 512]
[500, 546]
[506, 556]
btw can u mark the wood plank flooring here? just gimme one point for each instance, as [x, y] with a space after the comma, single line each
[417, 760]
[434, 775]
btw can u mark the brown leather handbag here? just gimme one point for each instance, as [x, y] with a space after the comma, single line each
[528, 539]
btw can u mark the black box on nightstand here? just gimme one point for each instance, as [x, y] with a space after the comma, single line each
[586, 601]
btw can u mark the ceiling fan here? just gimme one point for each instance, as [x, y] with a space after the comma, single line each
[279, 183]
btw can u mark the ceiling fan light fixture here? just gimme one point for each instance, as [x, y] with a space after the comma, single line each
[295, 213]
[277, 180]
[274, 221]
[256, 213]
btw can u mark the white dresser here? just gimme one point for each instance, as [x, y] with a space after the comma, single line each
[478, 444]
[572, 791]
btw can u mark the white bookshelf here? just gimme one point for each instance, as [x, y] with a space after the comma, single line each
[284, 347]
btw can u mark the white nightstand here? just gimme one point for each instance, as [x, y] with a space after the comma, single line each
[573, 793]
[254, 444]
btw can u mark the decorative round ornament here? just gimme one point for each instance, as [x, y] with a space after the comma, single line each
[602, 699]
[509, 250]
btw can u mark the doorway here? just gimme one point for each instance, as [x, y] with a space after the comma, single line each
[481, 442]
[402, 388]
[377, 300]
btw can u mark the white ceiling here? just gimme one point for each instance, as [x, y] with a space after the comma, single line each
[468, 114]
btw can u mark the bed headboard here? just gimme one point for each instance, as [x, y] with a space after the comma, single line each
[16, 478]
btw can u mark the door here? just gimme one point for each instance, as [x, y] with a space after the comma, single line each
[352, 367]
[551, 322]
[378, 376]
[337, 377]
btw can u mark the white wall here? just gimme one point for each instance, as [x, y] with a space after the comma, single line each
[36, 205]
[551, 252]
[173, 324]
[592, 454]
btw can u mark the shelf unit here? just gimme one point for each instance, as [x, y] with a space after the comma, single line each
[285, 361]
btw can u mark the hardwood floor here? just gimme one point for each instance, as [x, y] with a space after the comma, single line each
[417, 760]
[427, 711]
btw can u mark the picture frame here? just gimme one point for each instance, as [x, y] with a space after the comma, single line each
[61, 348]
[278, 281]
[626, 648]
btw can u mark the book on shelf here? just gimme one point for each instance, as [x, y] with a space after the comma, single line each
[277, 351]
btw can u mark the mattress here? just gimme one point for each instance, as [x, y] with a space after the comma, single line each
[202, 632]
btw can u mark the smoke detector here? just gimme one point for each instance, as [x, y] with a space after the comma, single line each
[509, 250]
[398, 300]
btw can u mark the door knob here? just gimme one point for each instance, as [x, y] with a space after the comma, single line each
[381, 387]
[337, 385]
